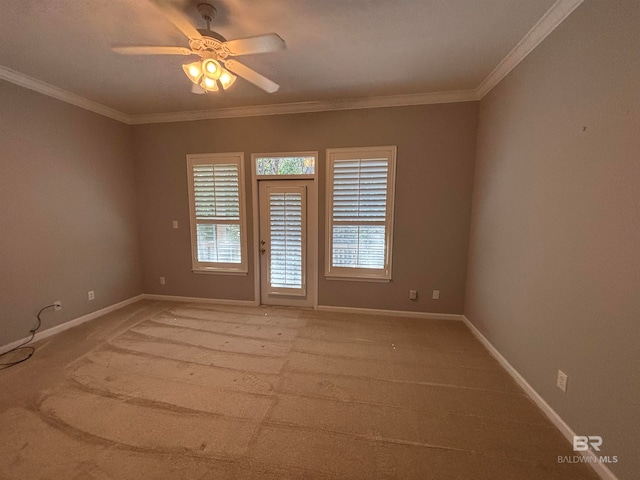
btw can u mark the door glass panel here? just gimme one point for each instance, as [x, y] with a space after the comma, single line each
[286, 211]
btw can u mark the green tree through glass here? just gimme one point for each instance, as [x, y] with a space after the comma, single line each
[285, 165]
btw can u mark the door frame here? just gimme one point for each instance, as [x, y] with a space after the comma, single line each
[313, 223]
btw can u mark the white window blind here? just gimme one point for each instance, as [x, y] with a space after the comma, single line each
[361, 209]
[217, 223]
[286, 237]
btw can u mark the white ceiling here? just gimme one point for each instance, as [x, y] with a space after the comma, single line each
[336, 49]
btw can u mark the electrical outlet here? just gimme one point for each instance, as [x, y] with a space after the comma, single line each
[57, 306]
[562, 381]
[436, 295]
[92, 295]
[175, 224]
[413, 294]
[162, 281]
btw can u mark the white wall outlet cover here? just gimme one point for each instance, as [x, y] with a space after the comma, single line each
[436, 294]
[175, 224]
[57, 306]
[413, 294]
[91, 295]
[562, 380]
[162, 281]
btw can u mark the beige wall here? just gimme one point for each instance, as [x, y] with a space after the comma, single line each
[436, 145]
[554, 259]
[67, 211]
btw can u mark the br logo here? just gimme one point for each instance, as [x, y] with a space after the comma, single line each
[581, 443]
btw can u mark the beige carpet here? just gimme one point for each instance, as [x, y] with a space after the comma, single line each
[160, 390]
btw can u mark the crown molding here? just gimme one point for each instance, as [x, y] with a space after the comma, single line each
[558, 12]
[309, 107]
[41, 87]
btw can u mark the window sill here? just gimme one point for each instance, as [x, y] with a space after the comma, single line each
[203, 271]
[357, 279]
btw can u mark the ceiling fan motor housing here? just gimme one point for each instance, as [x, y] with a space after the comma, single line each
[212, 40]
[210, 44]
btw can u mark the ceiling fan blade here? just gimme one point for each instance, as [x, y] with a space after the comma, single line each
[269, 42]
[178, 18]
[252, 76]
[142, 50]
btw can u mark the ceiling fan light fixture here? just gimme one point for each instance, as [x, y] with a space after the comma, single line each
[227, 79]
[211, 68]
[193, 71]
[209, 85]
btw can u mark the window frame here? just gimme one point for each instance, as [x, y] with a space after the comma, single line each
[360, 274]
[220, 268]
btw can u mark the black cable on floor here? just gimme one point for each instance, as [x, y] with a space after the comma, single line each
[23, 346]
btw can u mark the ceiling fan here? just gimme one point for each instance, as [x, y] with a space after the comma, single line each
[216, 67]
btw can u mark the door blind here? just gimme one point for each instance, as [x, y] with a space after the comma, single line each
[359, 212]
[286, 234]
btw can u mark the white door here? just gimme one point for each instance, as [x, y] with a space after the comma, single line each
[287, 243]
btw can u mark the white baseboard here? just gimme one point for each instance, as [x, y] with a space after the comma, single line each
[219, 301]
[72, 323]
[601, 469]
[391, 313]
